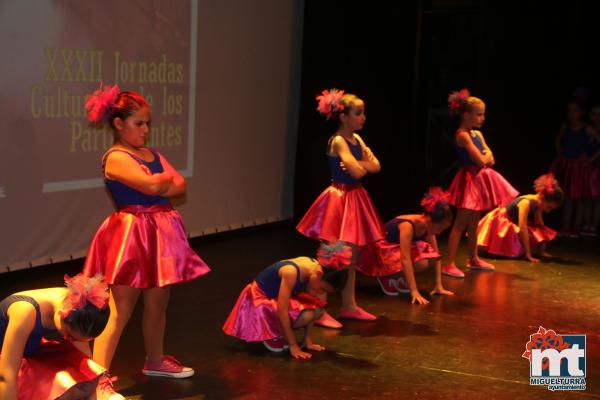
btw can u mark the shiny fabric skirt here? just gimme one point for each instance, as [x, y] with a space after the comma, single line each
[143, 247]
[479, 189]
[498, 235]
[57, 369]
[573, 176]
[254, 317]
[383, 258]
[343, 212]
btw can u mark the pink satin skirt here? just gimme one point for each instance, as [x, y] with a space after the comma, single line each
[343, 212]
[57, 368]
[383, 258]
[143, 247]
[254, 317]
[499, 235]
[479, 189]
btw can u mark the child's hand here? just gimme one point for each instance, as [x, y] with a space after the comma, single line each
[441, 290]
[314, 346]
[416, 297]
[297, 353]
[343, 166]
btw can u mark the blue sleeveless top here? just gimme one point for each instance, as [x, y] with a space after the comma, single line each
[575, 142]
[270, 281]
[512, 211]
[35, 337]
[463, 154]
[124, 195]
[392, 231]
[338, 175]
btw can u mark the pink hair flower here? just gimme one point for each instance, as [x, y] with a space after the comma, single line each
[456, 99]
[337, 255]
[84, 290]
[436, 197]
[100, 102]
[330, 102]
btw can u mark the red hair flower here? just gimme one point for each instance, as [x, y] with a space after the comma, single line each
[337, 255]
[457, 99]
[545, 183]
[330, 102]
[544, 339]
[100, 102]
[84, 290]
[436, 197]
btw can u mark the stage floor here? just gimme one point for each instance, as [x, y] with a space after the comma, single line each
[467, 346]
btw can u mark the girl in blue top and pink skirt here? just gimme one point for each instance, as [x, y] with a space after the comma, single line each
[344, 211]
[476, 187]
[518, 228]
[141, 248]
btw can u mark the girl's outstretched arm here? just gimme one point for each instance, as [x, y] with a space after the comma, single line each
[463, 139]
[438, 288]
[406, 236]
[523, 207]
[288, 279]
[21, 320]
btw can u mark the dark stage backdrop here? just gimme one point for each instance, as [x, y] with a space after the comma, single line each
[222, 77]
[524, 59]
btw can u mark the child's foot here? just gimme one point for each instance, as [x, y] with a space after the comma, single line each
[388, 285]
[168, 367]
[106, 391]
[276, 345]
[453, 271]
[480, 264]
[359, 314]
[327, 321]
[402, 286]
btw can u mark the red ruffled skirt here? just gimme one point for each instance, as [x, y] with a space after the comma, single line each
[572, 175]
[254, 317]
[499, 235]
[143, 247]
[475, 188]
[384, 258]
[54, 369]
[343, 212]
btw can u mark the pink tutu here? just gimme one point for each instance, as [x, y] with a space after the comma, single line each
[55, 368]
[383, 258]
[572, 176]
[143, 247]
[254, 316]
[343, 212]
[497, 234]
[479, 189]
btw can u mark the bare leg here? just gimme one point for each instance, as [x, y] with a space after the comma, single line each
[348, 293]
[473, 220]
[460, 224]
[154, 321]
[122, 304]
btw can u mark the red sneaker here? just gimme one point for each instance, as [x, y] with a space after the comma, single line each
[276, 345]
[168, 367]
[327, 321]
[451, 270]
[388, 285]
[106, 391]
[359, 314]
[480, 264]
[402, 286]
